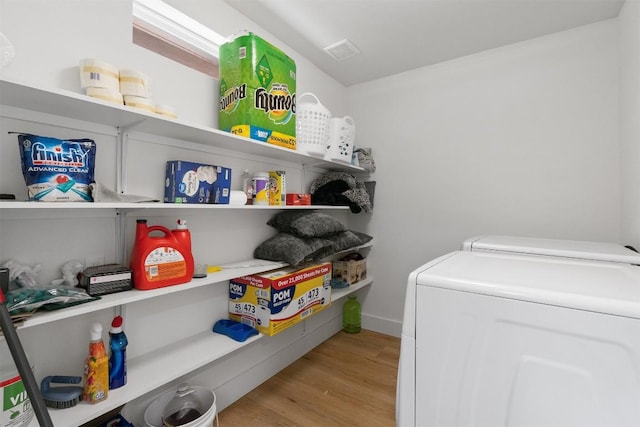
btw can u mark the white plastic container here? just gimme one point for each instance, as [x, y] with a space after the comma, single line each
[247, 186]
[261, 188]
[312, 125]
[204, 397]
[16, 409]
[342, 135]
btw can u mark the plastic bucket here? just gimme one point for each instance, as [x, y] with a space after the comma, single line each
[312, 125]
[206, 397]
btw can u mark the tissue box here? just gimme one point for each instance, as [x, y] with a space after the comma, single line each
[190, 182]
[297, 199]
[274, 301]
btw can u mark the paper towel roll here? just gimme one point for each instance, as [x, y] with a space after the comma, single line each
[96, 73]
[139, 102]
[135, 83]
[237, 197]
[166, 110]
[105, 94]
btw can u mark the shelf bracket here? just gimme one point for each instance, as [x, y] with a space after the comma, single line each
[121, 155]
[120, 237]
[121, 149]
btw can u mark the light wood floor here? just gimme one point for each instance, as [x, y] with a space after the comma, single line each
[349, 380]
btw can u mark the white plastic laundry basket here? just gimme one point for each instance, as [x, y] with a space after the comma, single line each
[342, 135]
[312, 125]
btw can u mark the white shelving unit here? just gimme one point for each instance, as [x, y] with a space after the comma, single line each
[130, 207]
[237, 269]
[149, 371]
[81, 107]
[134, 295]
[154, 370]
[337, 294]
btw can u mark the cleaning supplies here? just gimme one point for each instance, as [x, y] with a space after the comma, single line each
[96, 368]
[247, 186]
[159, 261]
[261, 188]
[351, 315]
[61, 397]
[16, 408]
[182, 234]
[118, 354]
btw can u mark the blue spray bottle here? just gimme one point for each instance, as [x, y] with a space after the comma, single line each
[118, 354]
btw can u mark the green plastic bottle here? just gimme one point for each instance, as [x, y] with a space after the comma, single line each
[351, 315]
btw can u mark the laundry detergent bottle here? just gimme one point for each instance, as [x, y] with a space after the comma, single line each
[182, 234]
[159, 261]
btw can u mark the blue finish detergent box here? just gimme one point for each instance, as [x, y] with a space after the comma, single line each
[273, 301]
[57, 170]
[190, 182]
[257, 91]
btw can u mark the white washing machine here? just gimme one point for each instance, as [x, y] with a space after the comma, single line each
[497, 338]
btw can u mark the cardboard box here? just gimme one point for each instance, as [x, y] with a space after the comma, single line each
[272, 302]
[297, 199]
[257, 91]
[277, 188]
[189, 182]
[350, 270]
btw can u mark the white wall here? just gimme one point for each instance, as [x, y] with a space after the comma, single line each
[51, 37]
[629, 30]
[518, 140]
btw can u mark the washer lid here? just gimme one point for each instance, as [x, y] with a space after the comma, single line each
[604, 287]
[611, 252]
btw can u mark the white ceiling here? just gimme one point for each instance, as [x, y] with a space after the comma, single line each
[399, 35]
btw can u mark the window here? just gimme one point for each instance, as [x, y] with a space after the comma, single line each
[170, 33]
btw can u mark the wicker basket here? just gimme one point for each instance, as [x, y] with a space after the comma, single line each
[312, 125]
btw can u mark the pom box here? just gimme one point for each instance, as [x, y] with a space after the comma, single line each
[274, 301]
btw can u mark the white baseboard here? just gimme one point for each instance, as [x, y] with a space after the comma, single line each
[382, 325]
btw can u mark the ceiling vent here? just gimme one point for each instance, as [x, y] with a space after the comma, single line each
[342, 50]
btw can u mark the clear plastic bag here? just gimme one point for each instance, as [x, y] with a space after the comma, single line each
[28, 300]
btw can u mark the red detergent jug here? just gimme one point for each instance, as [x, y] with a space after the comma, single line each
[159, 261]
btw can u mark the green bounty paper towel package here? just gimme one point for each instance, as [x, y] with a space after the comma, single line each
[258, 91]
